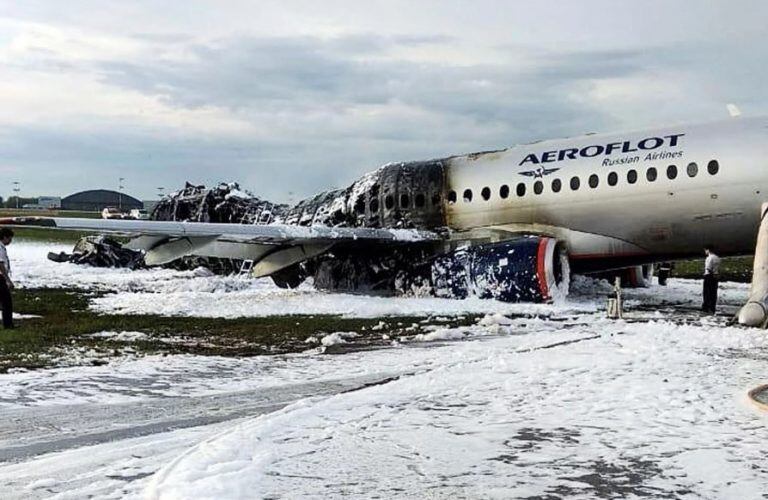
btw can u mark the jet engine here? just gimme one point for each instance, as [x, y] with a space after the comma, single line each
[525, 269]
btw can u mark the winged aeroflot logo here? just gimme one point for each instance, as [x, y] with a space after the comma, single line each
[539, 172]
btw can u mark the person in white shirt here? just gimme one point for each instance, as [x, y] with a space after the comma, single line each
[6, 284]
[711, 272]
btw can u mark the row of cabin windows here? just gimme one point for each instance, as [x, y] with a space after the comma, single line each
[419, 201]
[651, 175]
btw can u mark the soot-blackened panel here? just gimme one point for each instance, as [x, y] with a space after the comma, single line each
[399, 195]
[411, 195]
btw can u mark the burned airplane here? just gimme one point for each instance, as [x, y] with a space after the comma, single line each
[511, 224]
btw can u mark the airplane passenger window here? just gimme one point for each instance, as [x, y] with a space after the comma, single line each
[713, 167]
[671, 172]
[521, 189]
[405, 201]
[486, 193]
[575, 183]
[557, 185]
[467, 195]
[389, 202]
[651, 174]
[420, 200]
[594, 180]
[613, 179]
[692, 169]
[538, 187]
[504, 192]
[452, 197]
[374, 206]
[632, 176]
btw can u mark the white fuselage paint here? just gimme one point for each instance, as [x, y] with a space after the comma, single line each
[666, 217]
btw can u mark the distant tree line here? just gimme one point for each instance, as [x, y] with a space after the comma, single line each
[12, 202]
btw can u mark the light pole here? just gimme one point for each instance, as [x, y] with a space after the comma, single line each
[17, 190]
[120, 196]
[160, 192]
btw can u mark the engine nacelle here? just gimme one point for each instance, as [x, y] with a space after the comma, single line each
[525, 269]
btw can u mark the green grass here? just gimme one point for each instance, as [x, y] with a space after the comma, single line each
[66, 324]
[47, 234]
[21, 212]
[731, 269]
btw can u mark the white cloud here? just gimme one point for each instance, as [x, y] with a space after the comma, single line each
[659, 97]
[32, 41]
[78, 102]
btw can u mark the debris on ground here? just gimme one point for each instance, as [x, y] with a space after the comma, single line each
[225, 203]
[101, 251]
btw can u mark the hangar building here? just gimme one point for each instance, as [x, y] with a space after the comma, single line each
[98, 199]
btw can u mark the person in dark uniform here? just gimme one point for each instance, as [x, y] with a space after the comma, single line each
[711, 271]
[6, 284]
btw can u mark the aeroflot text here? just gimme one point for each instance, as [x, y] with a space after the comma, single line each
[646, 144]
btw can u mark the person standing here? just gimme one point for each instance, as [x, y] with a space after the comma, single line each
[711, 271]
[6, 284]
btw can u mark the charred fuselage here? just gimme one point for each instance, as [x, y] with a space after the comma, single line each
[398, 195]
[411, 195]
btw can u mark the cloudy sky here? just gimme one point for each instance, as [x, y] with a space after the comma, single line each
[292, 96]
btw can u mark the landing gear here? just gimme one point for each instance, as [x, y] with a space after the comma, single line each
[665, 271]
[637, 277]
[755, 311]
[631, 277]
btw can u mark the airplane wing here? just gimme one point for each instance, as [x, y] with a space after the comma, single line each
[271, 247]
